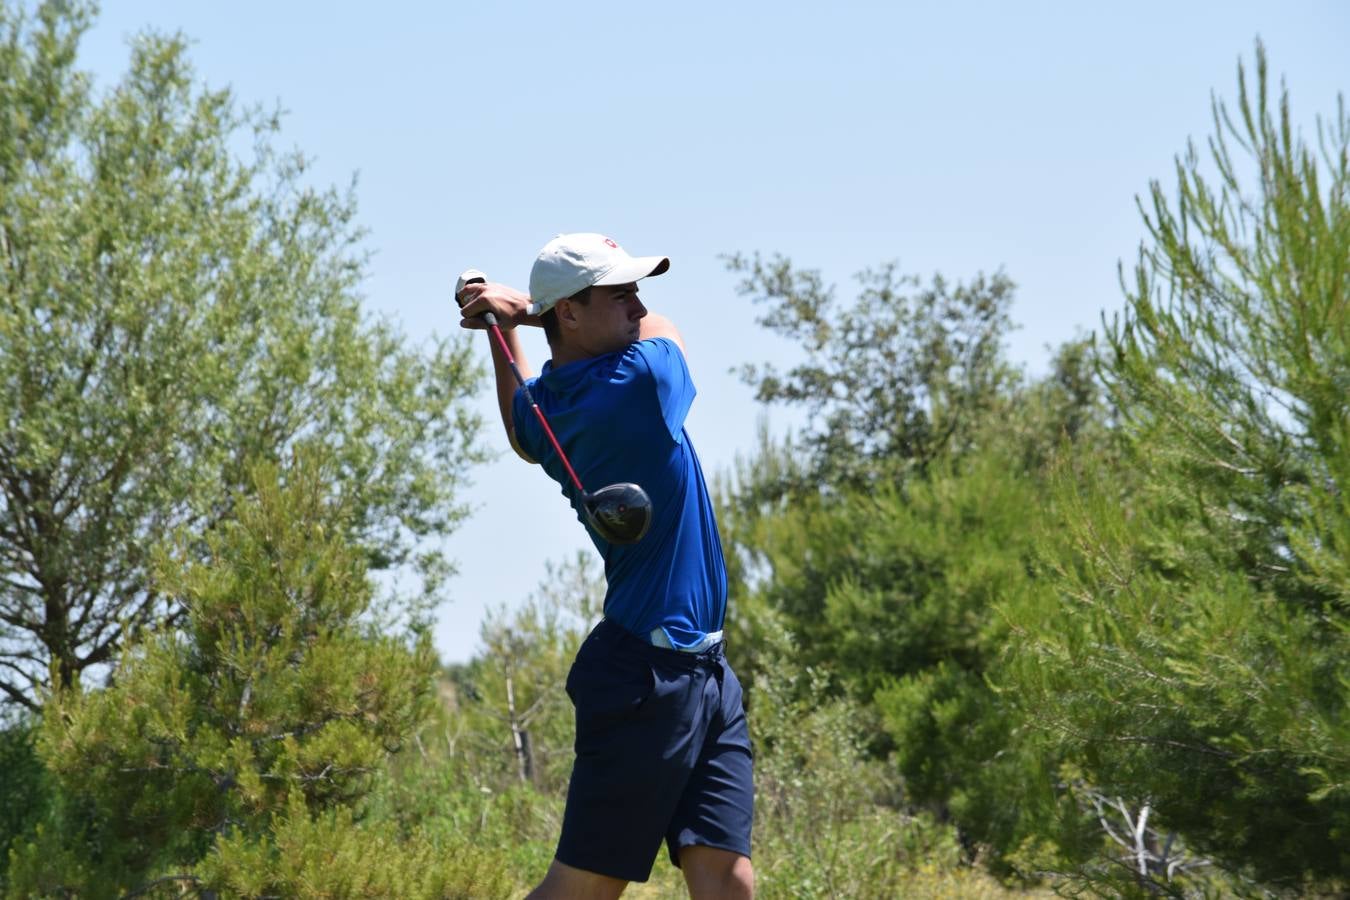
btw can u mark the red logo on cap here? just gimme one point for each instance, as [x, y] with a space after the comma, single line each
[611, 243]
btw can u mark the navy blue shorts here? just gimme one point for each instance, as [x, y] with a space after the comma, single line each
[662, 753]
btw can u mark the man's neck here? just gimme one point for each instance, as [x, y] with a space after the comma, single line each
[564, 354]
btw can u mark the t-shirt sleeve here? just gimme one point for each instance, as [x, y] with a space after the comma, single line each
[671, 381]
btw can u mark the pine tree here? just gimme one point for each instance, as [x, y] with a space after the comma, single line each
[232, 752]
[1197, 657]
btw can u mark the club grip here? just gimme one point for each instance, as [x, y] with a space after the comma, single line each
[466, 278]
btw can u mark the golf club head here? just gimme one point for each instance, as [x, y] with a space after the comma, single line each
[620, 513]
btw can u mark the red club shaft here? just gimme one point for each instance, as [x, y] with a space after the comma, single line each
[520, 380]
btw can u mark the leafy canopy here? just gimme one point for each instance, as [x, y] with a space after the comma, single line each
[1197, 653]
[177, 302]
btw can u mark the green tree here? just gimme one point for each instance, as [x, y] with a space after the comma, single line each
[235, 748]
[885, 537]
[171, 310]
[902, 612]
[518, 712]
[491, 768]
[901, 377]
[24, 793]
[1197, 654]
[827, 821]
[898, 379]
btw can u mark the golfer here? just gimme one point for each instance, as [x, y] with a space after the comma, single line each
[662, 748]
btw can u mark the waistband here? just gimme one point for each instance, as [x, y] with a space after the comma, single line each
[709, 649]
[658, 639]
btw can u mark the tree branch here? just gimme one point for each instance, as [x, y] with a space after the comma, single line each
[17, 696]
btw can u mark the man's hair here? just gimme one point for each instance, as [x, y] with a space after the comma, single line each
[550, 317]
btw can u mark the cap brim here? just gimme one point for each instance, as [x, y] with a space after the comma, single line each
[634, 269]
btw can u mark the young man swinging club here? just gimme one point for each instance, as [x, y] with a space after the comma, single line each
[662, 749]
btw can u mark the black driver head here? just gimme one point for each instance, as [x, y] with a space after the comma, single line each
[620, 513]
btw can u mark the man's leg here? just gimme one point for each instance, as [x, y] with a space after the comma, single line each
[639, 734]
[714, 874]
[563, 882]
[709, 836]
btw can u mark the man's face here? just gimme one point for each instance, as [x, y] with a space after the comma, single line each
[610, 321]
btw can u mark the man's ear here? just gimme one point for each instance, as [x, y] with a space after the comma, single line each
[566, 314]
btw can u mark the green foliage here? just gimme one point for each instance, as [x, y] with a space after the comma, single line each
[915, 586]
[328, 855]
[173, 310]
[515, 712]
[887, 540]
[827, 822]
[491, 768]
[902, 614]
[447, 790]
[1198, 654]
[984, 623]
[956, 747]
[24, 792]
[230, 750]
[891, 383]
[1180, 632]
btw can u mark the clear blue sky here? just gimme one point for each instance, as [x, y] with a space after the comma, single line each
[953, 137]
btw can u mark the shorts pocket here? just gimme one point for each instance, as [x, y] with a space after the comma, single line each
[608, 689]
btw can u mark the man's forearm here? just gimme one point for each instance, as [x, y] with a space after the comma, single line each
[506, 383]
[510, 308]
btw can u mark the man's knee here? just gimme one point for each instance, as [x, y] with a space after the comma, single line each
[564, 882]
[713, 873]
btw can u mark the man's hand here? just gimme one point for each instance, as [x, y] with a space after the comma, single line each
[510, 306]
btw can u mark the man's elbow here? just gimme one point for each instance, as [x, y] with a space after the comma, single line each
[515, 445]
[656, 326]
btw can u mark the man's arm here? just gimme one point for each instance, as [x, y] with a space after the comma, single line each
[511, 309]
[506, 386]
[655, 326]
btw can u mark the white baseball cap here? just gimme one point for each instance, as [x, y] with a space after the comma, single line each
[573, 262]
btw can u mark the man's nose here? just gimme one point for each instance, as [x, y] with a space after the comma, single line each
[638, 310]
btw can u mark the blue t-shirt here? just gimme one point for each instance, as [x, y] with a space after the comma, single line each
[620, 417]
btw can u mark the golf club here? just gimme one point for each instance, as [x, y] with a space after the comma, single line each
[619, 513]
